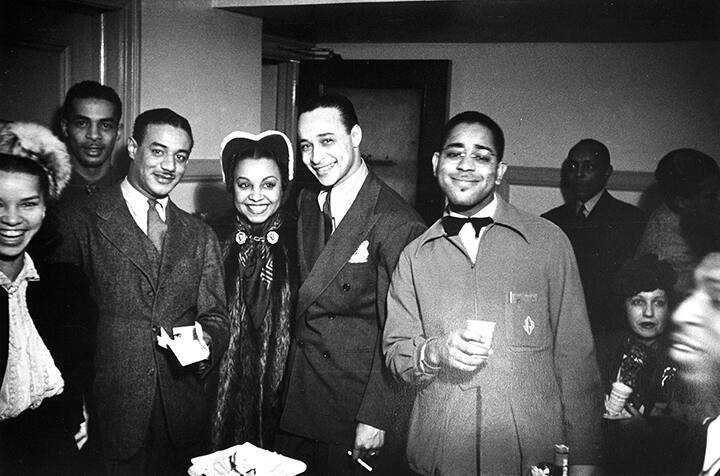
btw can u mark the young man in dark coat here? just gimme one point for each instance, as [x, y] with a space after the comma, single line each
[351, 230]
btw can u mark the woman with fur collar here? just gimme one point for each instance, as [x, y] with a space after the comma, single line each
[46, 315]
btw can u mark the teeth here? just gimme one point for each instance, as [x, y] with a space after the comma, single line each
[12, 233]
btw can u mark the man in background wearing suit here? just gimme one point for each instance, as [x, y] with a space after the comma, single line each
[604, 231]
[351, 230]
[151, 266]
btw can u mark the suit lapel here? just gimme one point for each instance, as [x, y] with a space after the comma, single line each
[312, 233]
[117, 225]
[354, 227]
[176, 241]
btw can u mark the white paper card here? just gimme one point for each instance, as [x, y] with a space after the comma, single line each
[186, 343]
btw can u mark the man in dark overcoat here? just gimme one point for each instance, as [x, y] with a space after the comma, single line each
[151, 266]
[341, 402]
[603, 230]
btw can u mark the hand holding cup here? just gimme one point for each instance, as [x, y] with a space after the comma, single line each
[464, 349]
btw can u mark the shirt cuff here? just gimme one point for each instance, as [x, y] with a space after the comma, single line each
[425, 366]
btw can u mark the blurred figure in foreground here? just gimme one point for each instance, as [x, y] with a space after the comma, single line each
[695, 347]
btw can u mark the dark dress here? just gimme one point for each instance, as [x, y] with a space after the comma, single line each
[648, 444]
[41, 441]
[260, 287]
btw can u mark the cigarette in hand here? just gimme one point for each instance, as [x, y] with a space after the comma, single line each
[361, 462]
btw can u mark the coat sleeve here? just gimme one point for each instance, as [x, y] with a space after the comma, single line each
[376, 408]
[404, 334]
[574, 355]
[211, 305]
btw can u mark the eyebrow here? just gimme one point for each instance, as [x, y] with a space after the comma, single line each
[462, 146]
[80, 116]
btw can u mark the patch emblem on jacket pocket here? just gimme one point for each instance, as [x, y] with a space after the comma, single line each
[529, 325]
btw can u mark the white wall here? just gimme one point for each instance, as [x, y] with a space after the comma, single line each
[205, 64]
[641, 99]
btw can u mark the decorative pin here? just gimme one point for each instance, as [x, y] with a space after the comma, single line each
[529, 326]
[240, 238]
[272, 237]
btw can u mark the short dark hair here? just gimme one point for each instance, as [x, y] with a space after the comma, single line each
[598, 147]
[679, 173]
[162, 116]
[334, 101]
[91, 90]
[17, 164]
[474, 117]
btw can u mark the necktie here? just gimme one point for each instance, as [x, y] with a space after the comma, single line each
[581, 215]
[156, 227]
[452, 225]
[327, 217]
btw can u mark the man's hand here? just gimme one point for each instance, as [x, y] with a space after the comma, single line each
[461, 350]
[368, 441]
[204, 365]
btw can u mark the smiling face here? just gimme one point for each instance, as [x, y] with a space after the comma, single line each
[647, 313]
[467, 168]
[159, 161]
[91, 131]
[257, 189]
[22, 209]
[328, 150]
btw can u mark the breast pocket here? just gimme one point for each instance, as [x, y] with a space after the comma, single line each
[526, 321]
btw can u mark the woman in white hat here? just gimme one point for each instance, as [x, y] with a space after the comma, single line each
[259, 281]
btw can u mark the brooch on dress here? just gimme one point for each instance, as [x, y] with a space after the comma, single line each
[271, 237]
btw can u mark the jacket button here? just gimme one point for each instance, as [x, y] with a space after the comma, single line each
[151, 371]
[331, 317]
[301, 343]
[155, 329]
[326, 355]
[346, 287]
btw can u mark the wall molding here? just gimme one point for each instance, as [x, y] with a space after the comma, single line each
[550, 177]
[203, 170]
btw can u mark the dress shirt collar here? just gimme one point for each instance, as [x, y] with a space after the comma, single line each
[27, 273]
[505, 215]
[138, 204]
[344, 194]
[590, 204]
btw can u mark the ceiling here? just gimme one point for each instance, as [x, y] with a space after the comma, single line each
[452, 21]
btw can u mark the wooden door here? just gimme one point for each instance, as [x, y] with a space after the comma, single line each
[47, 46]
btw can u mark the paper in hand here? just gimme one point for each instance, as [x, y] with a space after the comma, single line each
[186, 343]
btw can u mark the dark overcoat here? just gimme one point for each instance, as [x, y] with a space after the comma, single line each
[602, 243]
[337, 374]
[137, 292]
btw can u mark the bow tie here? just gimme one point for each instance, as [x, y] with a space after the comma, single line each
[452, 225]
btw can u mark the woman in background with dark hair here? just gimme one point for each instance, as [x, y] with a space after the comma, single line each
[259, 281]
[46, 315]
[640, 437]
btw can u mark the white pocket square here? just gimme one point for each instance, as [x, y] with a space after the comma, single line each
[361, 254]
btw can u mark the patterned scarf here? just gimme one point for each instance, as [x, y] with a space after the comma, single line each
[256, 260]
